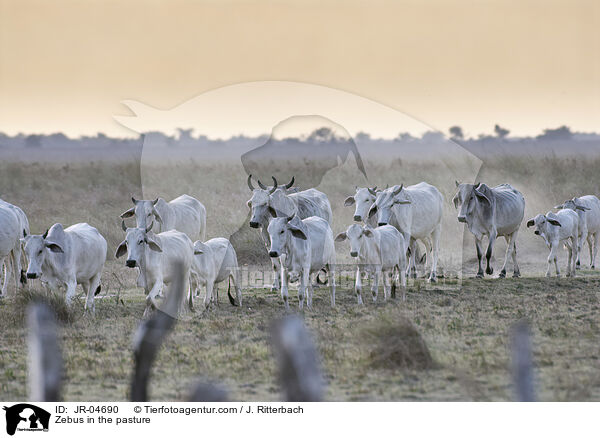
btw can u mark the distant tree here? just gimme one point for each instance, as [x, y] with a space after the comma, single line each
[432, 137]
[404, 137]
[185, 137]
[456, 133]
[363, 137]
[321, 134]
[501, 132]
[562, 133]
[33, 141]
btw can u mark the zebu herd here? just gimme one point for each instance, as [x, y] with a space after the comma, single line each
[296, 230]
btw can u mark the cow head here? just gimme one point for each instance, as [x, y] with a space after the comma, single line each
[470, 198]
[144, 211]
[572, 204]
[136, 240]
[355, 233]
[364, 199]
[386, 199]
[37, 247]
[281, 230]
[268, 202]
[543, 223]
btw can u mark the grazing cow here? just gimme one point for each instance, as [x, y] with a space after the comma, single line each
[554, 229]
[185, 214]
[215, 261]
[378, 251]
[7, 236]
[279, 202]
[588, 209]
[491, 212]
[68, 257]
[415, 211]
[156, 255]
[305, 247]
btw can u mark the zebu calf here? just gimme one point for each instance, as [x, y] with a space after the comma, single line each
[13, 227]
[304, 248]
[68, 257]
[215, 261]
[378, 251]
[555, 229]
[160, 257]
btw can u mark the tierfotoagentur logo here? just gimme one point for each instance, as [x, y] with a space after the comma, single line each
[24, 417]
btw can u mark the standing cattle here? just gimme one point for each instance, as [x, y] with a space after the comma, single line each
[68, 257]
[305, 247]
[11, 262]
[491, 212]
[378, 251]
[158, 256]
[215, 261]
[278, 202]
[555, 229]
[588, 209]
[185, 214]
[364, 198]
[415, 211]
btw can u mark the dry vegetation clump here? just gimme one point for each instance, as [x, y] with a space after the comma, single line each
[394, 342]
[17, 306]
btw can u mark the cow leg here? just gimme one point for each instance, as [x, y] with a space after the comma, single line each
[413, 258]
[402, 274]
[304, 280]
[276, 275]
[570, 256]
[358, 285]
[594, 251]
[16, 263]
[71, 286]
[435, 252]
[284, 287]
[237, 282]
[7, 269]
[154, 292]
[509, 249]
[552, 258]
[516, 271]
[90, 303]
[488, 254]
[375, 285]
[385, 277]
[331, 276]
[209, 293]
[575, 251]
[478, 245]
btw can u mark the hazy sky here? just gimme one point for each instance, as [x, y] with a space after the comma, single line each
[66, 65]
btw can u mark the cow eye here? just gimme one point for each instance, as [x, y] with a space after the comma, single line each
[141, 241]
[40, 252]
[281, 232]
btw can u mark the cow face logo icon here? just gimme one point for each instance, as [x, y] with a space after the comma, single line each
[26, 417]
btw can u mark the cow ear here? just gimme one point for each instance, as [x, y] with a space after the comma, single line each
[401, 201]
[298, 233]
[153, 244]
[249, 203]
[530, 223]
[582, 207]
[457, 183]
[367, 232]
[554, 222]
[341, 237]
[559, 206]
[372, 211]
[157, 215]
[128, 213]
[121, 250]
[349, 201]
[272, 211]
[54, 247]
[455, 201]
[482, 197]
[199, 247]
[198, 251]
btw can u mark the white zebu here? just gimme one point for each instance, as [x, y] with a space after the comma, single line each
[68, 257]
[11, 263]
[491, 212]
[215, 261]
[415, 211]
[588, 209]
[562, 227]
[159, 257]
[305, 247]
[378, 251]
[279, 202]
[185, 214]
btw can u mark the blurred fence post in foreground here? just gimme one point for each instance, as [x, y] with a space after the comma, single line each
[45, 358]
[522, 361]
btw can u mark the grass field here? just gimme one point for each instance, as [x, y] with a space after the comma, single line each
[464, 324]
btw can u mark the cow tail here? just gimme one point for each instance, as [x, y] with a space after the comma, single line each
[393, 292]
[231, 299]
[98, 289]
[319, 280]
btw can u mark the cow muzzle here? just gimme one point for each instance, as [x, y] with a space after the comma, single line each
[536, 232]
[462, 219]
[253, 224]
[357, 218]
[273, 254]
[381, 223]
[130, 263]
[32, 275]
[354, 253]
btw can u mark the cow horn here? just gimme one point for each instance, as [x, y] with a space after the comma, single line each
[45, 234]
[274, 186]
[290, 184]
[250, 186]
[155, 201]
[134, 200]
[457, 183]
[149, 227]
[123, 225]
[261, 185]
[289, 218]
[372, 191]
[399, 190]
